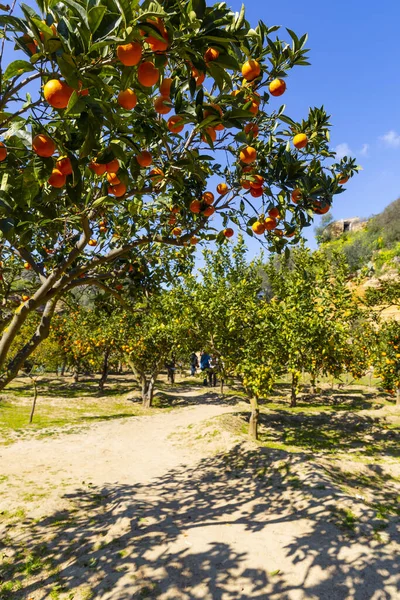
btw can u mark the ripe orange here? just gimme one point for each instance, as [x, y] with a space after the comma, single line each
[177, 231]
[210, 210]
[112, 166]
[63, 164]
[195, 206]
[3, 152]
[117, 190]
[25, 297]
[157, 45]
[256, 192]
[342, 178]
[148, 74]
[200, 79]
[254, 107]
[245, 183]
[175, 209]
[279, 232]
[252, 128]
[258, 227]
[212, 134]
[194, 240]
[172, 220]
[97, 168]
[27, 266]
[112, 179]
[321, 208]
[57, 93]
[211, 54]
[144, 158]
[156, 175]
[127, 99]
[92, 242]
[102, 229]
[300, 141]
[160, 105]
[274, 212]
[56, 179]
[82, 92]
[208, 197]
[130, 54]
[43, 145]
[222, 189]
[251, 70]
[257, 181]
[165, 87]
[277, 87]
[248, 155]
[175, 124]
[228, 232]
[296, 195]
[270, 223]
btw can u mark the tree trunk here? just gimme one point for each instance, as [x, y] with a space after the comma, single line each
[34, 400]
[398, 397]
[76, 372]
[253, 423]
[148, 390]
[295, 384]
[104, 373]
[63, 367]
[313, 386]
[221, 386]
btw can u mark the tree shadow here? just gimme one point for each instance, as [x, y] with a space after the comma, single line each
[185, 535]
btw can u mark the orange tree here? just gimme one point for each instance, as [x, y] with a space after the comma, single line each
[112, 118]
[387, 357]
[317, 313]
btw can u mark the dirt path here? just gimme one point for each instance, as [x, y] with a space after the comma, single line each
[124, 512]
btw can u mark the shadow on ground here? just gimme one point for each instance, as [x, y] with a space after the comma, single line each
[160, 540]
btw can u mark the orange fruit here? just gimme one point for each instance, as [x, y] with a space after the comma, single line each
[257, 181]
[210, 210]
[147, 74]
[130, 54]
[212, 134]
[25, 297]
[208, 197]
[165, 87]
[43, 145]
[256, 192]
[279, 232]
[144, 158]
[300, 141]
[27, 266]
[97, 168]
[175, 124]
[248, 155]
[296, 195]
[156, 174]
[102, 229]
[245, 183]
[117, 190]
[222, 189]
[252, 128]
[160, 105]
[158, 45]
[92, 242]
[57, 93]
[175, 210]
[200, 79]
[177, 231]
[270, 223]
[277, 87]
[194, 240]
[82, 92]
[342, 178]
[56, 179]
[3, 152]
[251, 69]
[63, 164]
[195, 206]
[112, 166]
[253, 108]
[258, 227]
[211, 54]
[228, 232]
[112, 179]
[172, 220]
[127, 99]
[321, 208]
[274, 212]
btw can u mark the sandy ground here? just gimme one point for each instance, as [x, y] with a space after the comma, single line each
[128, 511]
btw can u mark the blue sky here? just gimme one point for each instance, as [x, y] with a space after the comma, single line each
[354, 73]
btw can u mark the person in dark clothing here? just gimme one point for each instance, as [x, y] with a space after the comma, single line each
[204, 364]
[194, 363]
[213, 370]
[170, 366]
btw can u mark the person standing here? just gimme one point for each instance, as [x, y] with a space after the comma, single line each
[213, 370]
[194, 363]
[205, 365]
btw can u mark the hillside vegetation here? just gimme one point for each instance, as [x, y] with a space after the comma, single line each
[378, 243]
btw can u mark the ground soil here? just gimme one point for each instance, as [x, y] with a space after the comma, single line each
[180, 506]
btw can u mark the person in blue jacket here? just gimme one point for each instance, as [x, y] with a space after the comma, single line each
[205, 364]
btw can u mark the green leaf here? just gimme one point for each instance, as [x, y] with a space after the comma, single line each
[199, 7]
[18, 67]
[125, 7]
[95, 17]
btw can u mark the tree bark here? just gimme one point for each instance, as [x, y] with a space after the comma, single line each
[295, 384]
[76, 372]
[313, 386]
[104, 373]
[398, 397]
[63, 367]
[34, 399]
[148, 385]
[253, 422]
[221, 386]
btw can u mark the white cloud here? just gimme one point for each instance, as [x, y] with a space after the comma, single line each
[364, 150]
[391, 138]
[343, 150]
